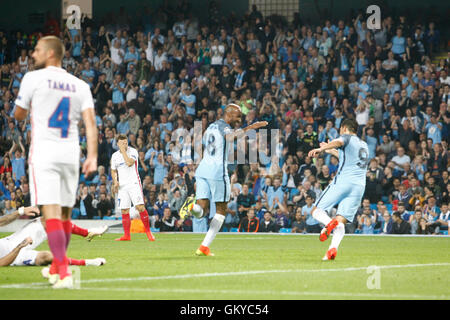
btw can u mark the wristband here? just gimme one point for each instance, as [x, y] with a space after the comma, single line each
[21, 211]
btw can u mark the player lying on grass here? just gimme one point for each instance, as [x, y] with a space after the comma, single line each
[346, 189]
[18, 248]
[212, 180]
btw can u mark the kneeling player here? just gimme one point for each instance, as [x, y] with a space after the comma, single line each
[347, 188]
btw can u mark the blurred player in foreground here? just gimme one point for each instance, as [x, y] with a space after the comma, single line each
[127, 184]
[211, 176]
[346, 189]
[57, 101]
[17, 249]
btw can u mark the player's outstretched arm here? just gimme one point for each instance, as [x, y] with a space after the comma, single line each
[10, 257]
[333, 152]
[29, 211]
[336, 143]
[240, 132]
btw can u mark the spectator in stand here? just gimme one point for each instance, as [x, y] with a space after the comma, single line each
[367, 224]
[267, 224]
[174, 72]
[84, 202]
[245, 201]
[299, 225]
[250, 223]
[167, 222]
[442, 222]
[312, 225]
[414, 220]
[399, 226]
[423, 228]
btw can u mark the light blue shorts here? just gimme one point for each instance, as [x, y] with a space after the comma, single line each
[347, 196]
[213, 190]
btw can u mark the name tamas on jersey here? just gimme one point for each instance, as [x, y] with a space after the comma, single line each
[63, 86]
[56, 101]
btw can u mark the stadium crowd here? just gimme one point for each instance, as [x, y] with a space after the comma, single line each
[153, 75]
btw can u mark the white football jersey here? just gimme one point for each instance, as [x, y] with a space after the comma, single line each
[56, 100]
[126, 175]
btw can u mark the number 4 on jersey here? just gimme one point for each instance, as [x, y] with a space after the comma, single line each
[60, 118]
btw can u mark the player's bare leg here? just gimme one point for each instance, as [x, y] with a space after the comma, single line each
[126, 223]
[54, 217]
[144, 217]
[338, 235]
[214, 227]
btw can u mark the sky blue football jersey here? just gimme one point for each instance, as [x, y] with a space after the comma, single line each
[353, 161]
[215, 154]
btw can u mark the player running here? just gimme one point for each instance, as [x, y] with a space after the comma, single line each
[17, 249]
[56, 101]
[211, 176]
[126, 181]
[347, 188]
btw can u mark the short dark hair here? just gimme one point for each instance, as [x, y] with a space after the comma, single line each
[397, 214]
[122, 137]
[350, 124]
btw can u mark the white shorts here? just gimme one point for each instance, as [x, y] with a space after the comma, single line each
[130, 194]
[52, 183]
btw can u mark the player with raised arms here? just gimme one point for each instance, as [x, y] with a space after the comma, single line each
[57, 101]
[211, 176]
[346, 189]
[127, 184]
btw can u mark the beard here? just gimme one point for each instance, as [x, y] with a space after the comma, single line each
[39, 65]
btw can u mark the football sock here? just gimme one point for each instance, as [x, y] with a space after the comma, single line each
[67, 226]
[126, 222]
[197, 211]
[53, 267]
[57, 244]
[338, 235]
[321, 216]
[79, 231]
[145, 220]
[214, 227]
[75, 262]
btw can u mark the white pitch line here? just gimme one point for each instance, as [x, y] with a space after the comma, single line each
[236, 273]
[255, 272]
[254, 292]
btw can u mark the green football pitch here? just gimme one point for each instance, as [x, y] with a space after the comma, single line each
[249, 267]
